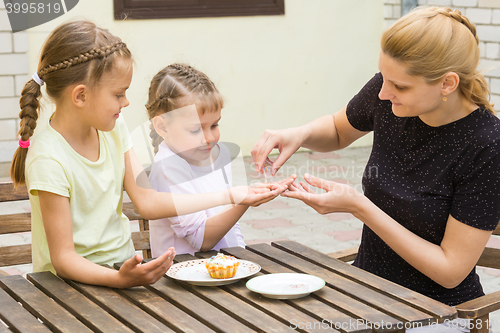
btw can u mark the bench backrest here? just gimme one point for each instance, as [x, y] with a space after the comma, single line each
[21, 222]
[491, 255]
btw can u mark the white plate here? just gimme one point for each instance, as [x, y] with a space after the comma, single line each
[195, 272]
[285, 285]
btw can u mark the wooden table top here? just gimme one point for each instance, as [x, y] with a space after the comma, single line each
[352, 301]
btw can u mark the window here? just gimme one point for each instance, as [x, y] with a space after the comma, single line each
[407, 5]
[155, 9]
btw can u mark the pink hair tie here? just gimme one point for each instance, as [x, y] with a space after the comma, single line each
[24, 144]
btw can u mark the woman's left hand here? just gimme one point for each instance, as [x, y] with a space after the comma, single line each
[257, 194]
[337, 198]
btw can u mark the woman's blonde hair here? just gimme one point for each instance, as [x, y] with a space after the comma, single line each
[433, 41]
[176, 86]
[75, 52]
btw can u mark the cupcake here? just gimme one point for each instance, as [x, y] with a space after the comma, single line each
[222, 266]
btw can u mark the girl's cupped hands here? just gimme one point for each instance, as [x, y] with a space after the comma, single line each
[259, 193]
[337, 197]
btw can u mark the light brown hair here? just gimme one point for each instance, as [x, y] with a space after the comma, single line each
[176, 86]
[433, 41]
[75, 52]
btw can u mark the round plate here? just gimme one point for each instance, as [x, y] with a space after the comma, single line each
[285, 285]
[195, 272]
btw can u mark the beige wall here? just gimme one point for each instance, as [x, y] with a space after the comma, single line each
[274, 71]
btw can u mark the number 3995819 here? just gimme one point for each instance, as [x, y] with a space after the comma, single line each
[32, 7]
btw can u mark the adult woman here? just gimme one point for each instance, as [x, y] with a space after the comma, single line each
[432, 204]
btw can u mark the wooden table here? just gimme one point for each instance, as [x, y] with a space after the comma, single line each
[352, 301]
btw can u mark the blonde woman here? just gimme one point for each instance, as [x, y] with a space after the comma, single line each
[432, 203]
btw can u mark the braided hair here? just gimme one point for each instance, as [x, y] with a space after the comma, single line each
[75, 52]
[176, 86]
[433, 41]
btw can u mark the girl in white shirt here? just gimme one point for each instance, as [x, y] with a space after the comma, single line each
[185, 108]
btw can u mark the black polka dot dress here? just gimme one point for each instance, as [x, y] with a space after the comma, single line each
[419, 175]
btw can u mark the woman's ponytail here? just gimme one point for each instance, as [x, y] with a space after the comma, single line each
[476, 90]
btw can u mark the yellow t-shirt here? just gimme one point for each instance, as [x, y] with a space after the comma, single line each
[101, 232]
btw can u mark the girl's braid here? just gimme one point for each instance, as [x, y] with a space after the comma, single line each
[172, 83]
[156, 139]
[79, 59]
[197, 81]
[29, 104]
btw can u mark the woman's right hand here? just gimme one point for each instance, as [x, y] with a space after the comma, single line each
[287, 141]
[324, 134]
[134, 273]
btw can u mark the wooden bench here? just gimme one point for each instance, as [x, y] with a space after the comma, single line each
[477, 309]
[21, 222]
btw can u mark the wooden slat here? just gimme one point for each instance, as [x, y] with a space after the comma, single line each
[238, 308]
[144, 227]
[15, 255]
[345, 255]
[18, 319]
[121, 308]
[41, 306]
[12, 223]
[280, 310]
[327, 304]
[408, 297]
[141, 240]
[163, 310]
[375, 298]
[480, 306]
[129, 210]
[4, 329]
[9, 193]
[81, 307]
[203, 311]
[497, 230]
[490, 258]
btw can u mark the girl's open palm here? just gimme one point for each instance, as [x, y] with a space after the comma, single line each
[260, 193]
[133, 273]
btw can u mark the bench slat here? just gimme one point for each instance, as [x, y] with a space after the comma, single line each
[129, 210]
[9, 193]
[12, 223]
[141, 240]
[490, 258]
[15, 255]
